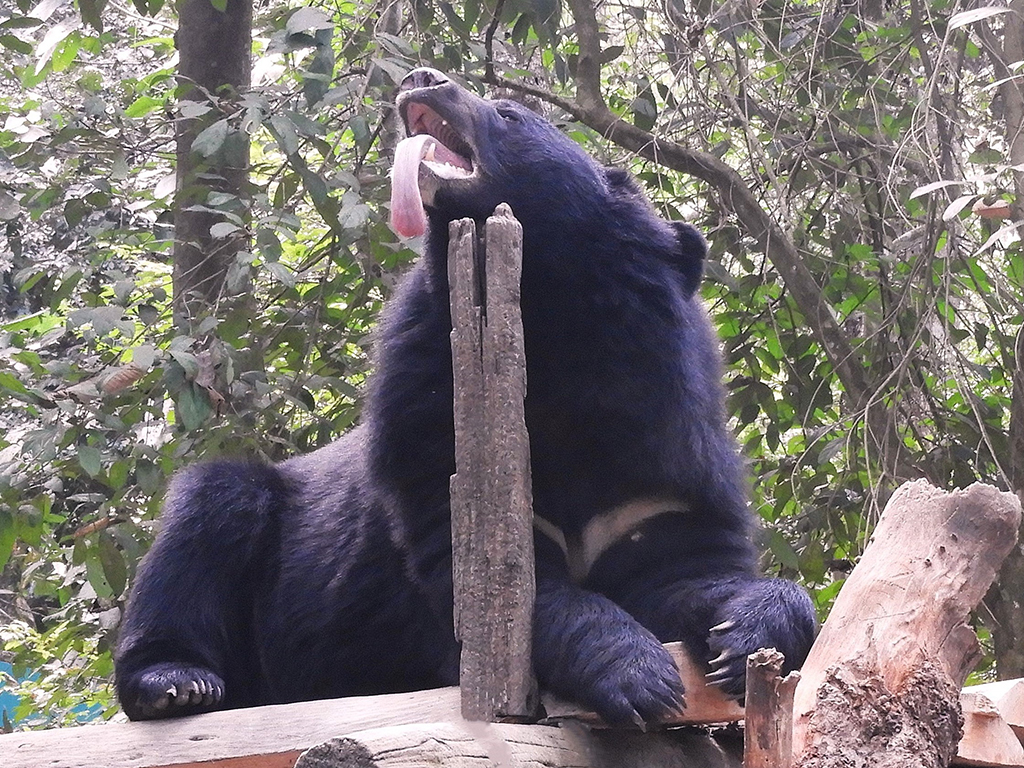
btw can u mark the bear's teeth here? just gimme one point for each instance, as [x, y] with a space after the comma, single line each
[429, 154]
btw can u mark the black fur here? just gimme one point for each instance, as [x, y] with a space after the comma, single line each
[330, 574]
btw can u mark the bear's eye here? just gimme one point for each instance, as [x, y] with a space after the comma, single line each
[508, 114]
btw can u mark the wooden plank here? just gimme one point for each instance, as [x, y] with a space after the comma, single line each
[768, 725]
[705, 704]
[881, 685]
[1008, 698]
[491, 499]
[263, 737]
[988, 739]
[476, 744]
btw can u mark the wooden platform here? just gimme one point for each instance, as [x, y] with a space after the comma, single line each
[263, 737]
[275, 736]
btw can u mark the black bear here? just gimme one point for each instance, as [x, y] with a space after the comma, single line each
[330, 574]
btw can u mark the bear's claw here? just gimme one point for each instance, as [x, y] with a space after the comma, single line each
[187, 687]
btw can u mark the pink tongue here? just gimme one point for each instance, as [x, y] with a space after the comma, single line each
[407, 215]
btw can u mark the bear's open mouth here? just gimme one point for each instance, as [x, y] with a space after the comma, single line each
[433, 154]
[449, 149]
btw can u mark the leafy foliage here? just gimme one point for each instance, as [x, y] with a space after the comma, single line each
[872, 135]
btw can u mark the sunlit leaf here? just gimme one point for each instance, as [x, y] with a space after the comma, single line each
[964, 18]
[931, 187]
[954, 208]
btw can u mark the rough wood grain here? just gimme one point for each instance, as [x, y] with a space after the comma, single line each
[491, 499]
[705, 704]
[882, 683]
[988, 739]
[475, 744]
[264, 737]
[768, 725]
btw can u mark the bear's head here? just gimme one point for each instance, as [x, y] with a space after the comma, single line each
[465, 155]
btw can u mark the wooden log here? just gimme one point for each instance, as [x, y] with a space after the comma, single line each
[988, 739]
[881, 685]
[491, 498]
[262, 737]
[768, 725]
[475, 744]
[705, 704]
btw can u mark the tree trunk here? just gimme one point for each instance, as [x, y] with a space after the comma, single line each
[214, 68]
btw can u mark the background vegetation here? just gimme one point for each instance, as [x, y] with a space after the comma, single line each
[857, 166]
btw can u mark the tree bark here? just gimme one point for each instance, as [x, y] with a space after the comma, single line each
[214, 68]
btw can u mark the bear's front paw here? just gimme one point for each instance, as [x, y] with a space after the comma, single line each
[170, 689]
[633, 680]
[771, 614]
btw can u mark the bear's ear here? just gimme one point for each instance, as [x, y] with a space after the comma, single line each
[621, 182]
[690, 254]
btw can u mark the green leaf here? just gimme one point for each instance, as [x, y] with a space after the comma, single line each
[53, 37]
[307, 18]
[285, 134]
[148, 476]
[94, 572]
[223, 229]
[21, 22]
[117, 475]
[783, 551]
[317, 79]
[269, 244]
[15, 44]
[211, 139]
[8, 537]
[92, 12]
[90, 459]
[188, 362]
[611, 53]
[115, 570]
[193, 407]
[143, 106]
[304, 125]
[11, 383]
[282, 273]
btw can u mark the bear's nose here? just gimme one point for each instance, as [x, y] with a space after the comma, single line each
[423, 77]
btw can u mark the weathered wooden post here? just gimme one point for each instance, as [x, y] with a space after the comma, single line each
[491, 499]
[768, 721]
